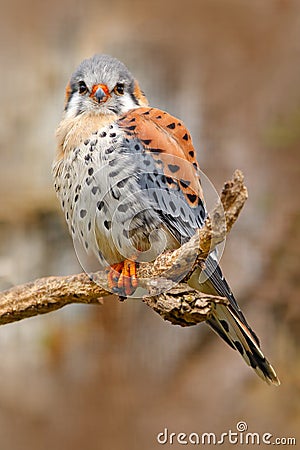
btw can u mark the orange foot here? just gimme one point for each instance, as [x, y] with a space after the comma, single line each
[122, 277]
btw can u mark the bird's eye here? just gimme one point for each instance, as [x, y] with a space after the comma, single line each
[82, 88]
[119, 89]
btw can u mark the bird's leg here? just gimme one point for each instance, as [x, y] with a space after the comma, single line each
[122, 277]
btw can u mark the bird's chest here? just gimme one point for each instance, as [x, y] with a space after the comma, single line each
[104, 206]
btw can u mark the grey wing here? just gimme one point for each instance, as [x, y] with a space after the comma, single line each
[182, 220]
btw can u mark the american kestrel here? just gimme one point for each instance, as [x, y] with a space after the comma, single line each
[128, 181]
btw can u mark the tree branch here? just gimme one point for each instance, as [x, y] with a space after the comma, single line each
[174, 301]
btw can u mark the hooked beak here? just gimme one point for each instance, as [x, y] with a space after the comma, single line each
[100, 93]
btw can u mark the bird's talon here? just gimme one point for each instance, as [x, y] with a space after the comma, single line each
[122, 278]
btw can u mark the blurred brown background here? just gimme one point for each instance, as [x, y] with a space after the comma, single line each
[115, 376]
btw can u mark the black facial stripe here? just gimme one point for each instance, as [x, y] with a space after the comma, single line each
[80, 110]
[70, 97]
[133, 97]
[73, 89]
[130, 91]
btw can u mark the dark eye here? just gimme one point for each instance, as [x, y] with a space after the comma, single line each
[119, 89]
[82, 88]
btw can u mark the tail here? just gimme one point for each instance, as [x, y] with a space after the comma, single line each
[229, 322]
[226, 323]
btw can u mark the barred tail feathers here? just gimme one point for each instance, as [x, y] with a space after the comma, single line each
[230, 328]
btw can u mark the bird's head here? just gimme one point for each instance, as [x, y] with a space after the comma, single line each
[102, 85]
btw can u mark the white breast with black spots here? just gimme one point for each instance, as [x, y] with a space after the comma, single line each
[104, 205]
